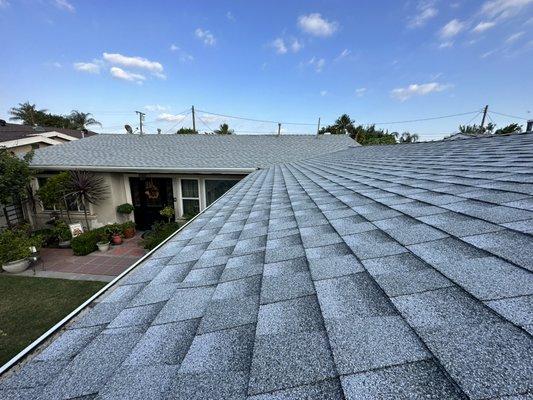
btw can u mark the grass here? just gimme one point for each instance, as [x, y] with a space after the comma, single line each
[30, 306]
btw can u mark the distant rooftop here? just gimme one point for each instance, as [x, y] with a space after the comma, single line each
[18, 131]
[169, 153]
[383, 272]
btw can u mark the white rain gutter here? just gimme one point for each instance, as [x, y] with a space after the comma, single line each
[103, 168]
[57, 326]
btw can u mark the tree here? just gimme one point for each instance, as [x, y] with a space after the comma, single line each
[186, 131]
[54, 192]
[476, 129]
[344, 125]
[407, 137]
[27, 113]
[15, 177]
[511, 128]
[81, 120]
[87, 188]
[224, 130]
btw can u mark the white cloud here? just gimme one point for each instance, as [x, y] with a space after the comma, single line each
[446, 45]
[315, 25]
[183, 56]
[230, 16]
[452, 28]
[345, 53]
[514, 37]
[134, 62]
[426, 11]
[296, 46]
[317, 63]
[205, 36]
[360, 92]
[89, 67]
[323, 93]
[483, 26]
[64, 5]
[4, 3]
[171, 117]
[173, 47]
[501, 9]
[282, 46]
[279, 45]
[119, 73]
[155, 107]
[416, 89]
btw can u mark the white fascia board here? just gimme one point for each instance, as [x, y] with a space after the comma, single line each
[28, 140]
[165, 170]
[53, 134]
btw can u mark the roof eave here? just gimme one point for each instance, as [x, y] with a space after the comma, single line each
[167, 170]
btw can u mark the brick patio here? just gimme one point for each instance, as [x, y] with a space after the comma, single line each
[110, 263]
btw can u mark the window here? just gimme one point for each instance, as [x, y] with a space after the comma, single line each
[216, 188]
[190, 197]
[72, 205]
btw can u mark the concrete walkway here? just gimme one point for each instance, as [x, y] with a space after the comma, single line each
[62, 263]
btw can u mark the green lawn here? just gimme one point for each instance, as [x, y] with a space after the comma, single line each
[30, 306]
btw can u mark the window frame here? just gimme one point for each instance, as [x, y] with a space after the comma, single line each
[182, 198]
[54, 209]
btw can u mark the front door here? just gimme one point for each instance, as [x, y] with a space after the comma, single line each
[149, 196]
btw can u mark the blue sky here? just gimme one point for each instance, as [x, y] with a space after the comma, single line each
[294, 61]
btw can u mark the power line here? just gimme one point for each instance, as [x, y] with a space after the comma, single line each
[422, 119]
[254, 119]
[510, 116]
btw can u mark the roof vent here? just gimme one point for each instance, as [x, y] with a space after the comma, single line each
[2, 122]
[529, 127]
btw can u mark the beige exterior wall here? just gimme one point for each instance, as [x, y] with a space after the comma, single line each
[120, 192]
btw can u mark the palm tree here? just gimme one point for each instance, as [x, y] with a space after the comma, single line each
[81, 120]
[27, 113]
[407, 137]
[344, 124]
[224, 130]
[87, 188]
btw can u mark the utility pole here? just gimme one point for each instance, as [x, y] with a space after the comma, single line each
[279, 129]
[318, 127]
[193, 119]
[141, 119]
[484, 116]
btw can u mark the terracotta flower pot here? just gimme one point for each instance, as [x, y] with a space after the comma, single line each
[129, 233]
[117, 239]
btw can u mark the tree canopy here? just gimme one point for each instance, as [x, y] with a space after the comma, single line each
[186, 131]
[15, 176]
[489, 129]
[364, 135]
[29, 114]
[224, 130]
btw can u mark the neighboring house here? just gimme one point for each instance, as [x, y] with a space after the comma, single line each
[21, 139]
[460, 135]
[187, 172]
[378, 272]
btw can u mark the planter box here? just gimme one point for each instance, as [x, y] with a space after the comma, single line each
[17, 266]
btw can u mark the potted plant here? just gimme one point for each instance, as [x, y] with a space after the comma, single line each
[103, 243]
[14, 251]
[115, 231]
[128, 229]
[167, 212]
[62, 232]
[125, 209]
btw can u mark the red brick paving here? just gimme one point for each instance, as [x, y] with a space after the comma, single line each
[111, 263]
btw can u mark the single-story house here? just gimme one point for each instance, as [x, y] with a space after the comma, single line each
[378, 272]
[187, 172]
[21, 139]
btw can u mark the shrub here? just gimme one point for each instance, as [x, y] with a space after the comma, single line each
[160, 231]
[125, 208]
[128, 225]
[61, 231]
[15, 246]
[86, 242]
[167, 212]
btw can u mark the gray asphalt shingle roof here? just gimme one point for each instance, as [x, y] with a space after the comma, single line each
[175, 152]
[367, 273]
